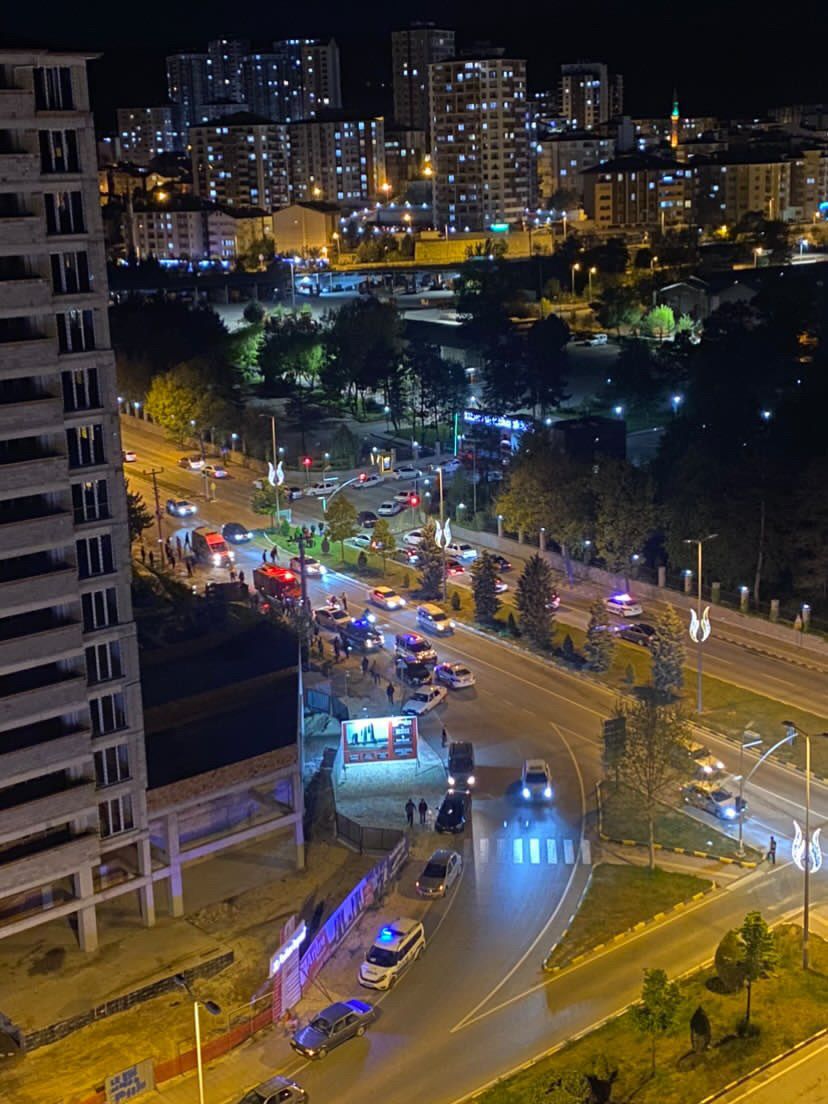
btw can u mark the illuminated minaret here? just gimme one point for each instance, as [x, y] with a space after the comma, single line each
[674, 122]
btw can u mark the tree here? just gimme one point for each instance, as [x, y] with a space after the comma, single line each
[266, 500]
[652, 765]
[254, 312]
[533, 598]
[569, 1087]
[700, 1032]
[660, 321]
[341, 521]
[728, 962]
[188, 401]
[625, 514]
[599, 648]
[138, 516]
[758, 953]
[615, 746]
[667, 653]
[656, 1012]
[619, 306]
[431, 563]
[366, 341]
[484, 590]
[544, 363]
[384, 540]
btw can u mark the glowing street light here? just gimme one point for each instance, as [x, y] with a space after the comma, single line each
[574, 268]
[592, 272]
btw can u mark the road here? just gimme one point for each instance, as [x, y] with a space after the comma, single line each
[478, 1002]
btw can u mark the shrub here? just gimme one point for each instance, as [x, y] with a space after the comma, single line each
[455, 600]
[728, 962]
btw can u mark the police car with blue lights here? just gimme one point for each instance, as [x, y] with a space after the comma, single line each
[362, 633]
[397, 946]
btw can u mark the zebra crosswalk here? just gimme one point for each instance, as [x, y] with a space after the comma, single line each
[529, 851]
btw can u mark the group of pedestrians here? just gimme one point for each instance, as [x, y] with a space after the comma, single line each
[426, 815]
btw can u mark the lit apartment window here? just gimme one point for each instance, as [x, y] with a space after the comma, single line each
[64, 212]
[80, 389]
[115, 816]
[99, 609]
[112, 765]
[108, 714]
[95, 556]
[59, 151]
[103, 662]
[85, 445]
[70, 273]
[76, 331]
[53, 88]
[90, 501]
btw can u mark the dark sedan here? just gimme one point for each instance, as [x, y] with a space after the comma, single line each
[452, 814]
[638, 633]
[334, 1025]
[501, 563]
[413, 673]
[236, 533]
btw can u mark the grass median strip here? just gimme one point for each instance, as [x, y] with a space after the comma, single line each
[619, 898]
[788, 1007]
[624, 819]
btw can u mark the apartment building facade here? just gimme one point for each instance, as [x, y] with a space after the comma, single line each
[412, 51]
[73, 822]
[640, 191]
[240, 161]
[562, 160]
[337, 160]
[480, 142]
[146, 132]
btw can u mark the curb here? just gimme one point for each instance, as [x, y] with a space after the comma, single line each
[565, 932]
[792, 768]
[621, 936]
[765, 1066]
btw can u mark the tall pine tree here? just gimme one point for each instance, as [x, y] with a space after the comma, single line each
[533, 599]
[667, 651]
[431, 563]
[599, 648]
[484, 588]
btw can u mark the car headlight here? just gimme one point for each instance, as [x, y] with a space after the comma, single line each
[707, 768]
[547, 792]
[730, 813]
[719, 766]
[470, 780]
[402, 601]
[451, 781]
[525, 793]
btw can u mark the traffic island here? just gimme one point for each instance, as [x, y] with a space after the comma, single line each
[788, 1008]
[622, 821]
[619, 902]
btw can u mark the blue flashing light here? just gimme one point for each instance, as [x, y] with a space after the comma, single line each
[386, 935]
[621, 598]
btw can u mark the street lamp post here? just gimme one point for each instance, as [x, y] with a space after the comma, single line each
[208, 1006]
[749, 739]
[700, 635]
[592, 272]
[275, 456]
[793, 732]
[574, 268]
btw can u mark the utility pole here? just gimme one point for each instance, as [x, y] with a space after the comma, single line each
[153, 473]
[701, 634]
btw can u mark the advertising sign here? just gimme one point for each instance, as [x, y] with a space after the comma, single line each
[378, 740]
[130, 1083]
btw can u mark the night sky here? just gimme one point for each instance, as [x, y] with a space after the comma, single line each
[724, 56]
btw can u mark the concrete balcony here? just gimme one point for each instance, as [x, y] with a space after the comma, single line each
[34, 357]
[15, 104]
[39, 591]
[32, 417]
[54, 755]
[21, 232]
[35, 534]
[19, 168]
[47, 645]
[24, 296]
[47, 812]
[65, 696]
[33, 476]
[63, 858]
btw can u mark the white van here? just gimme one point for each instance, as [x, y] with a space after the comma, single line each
[397, 945]
[433, 619]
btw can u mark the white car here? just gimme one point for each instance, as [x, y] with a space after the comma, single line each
[500, 586]
[406, 472]
[461, 550]
[403, 496]
[714, 799]
[598, 339]
[191, 463]
[369, 479]
[449, 466]
[454, 675]
[413, 538]
[362, 540]
[426, 699]
[312, 566]
[707, 764]
[333, 620]
[623, 605]
[319, 490]
[215, 471]
[535, 780]
[390, 509]
[129, 456]
[385, 598]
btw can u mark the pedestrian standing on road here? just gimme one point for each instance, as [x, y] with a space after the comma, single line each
[233, 574]
[189, 565]
[409, 812]
[143, 553]
[422, 809]
[337, 648]
[375, 675]
[344, 600]
[389, 693]
[274, 555]
[187, 539]
[178, 547]
[241, 577]
[364, 666]
[772, 850]
[152, 559]
[444, 736]
[171, 558]
[264, 555]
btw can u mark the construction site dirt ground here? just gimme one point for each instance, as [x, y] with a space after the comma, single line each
[248, 922]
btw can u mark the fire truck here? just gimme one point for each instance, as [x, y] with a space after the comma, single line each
[277, 582]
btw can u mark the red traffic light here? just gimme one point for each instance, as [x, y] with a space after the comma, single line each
[307, 461]
[413, 500]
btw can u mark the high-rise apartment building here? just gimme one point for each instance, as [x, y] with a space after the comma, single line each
[412, 51]
[638, 190]
[240, 161]
[480, 142]
[735, 183]
[321, 78]
[73, 819]
[224, 60]
[589, 95]
[263, 85]
[188, 87]
[337, 160]
[146, 132]
[562, 160]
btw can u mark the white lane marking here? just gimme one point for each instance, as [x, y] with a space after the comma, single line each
[470, 1016]
[551, 852]
[517, 850]
[483, 847]
[586, 853]
[569, 854]
[534, 851]
[501, 849]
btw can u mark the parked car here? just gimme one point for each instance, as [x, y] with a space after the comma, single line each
[397, 946]
[638, 633]
[451, 816]
[332, 1026]
[440, 873]
[181, 507]
[367, 519]
[413, 673]
[276, 1090]
[454, 675]
[363, 635]
[331, 618]
[623, 605]
[390, 509]
[129, 456]
[412, 646]
[424, 701]
[191, 463]
[236, 533]
[214, 471]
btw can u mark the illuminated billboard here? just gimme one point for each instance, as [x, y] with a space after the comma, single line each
[379, 740]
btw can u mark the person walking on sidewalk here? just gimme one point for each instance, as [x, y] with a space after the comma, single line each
[344, 600]
[264, 555]
[772, 850]
[364, 665]
[409, 812]
[336, 647]
[389, 693]
[444, 737]
[274, 555]
[422, 809]
[187, 539]
[375, 675]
